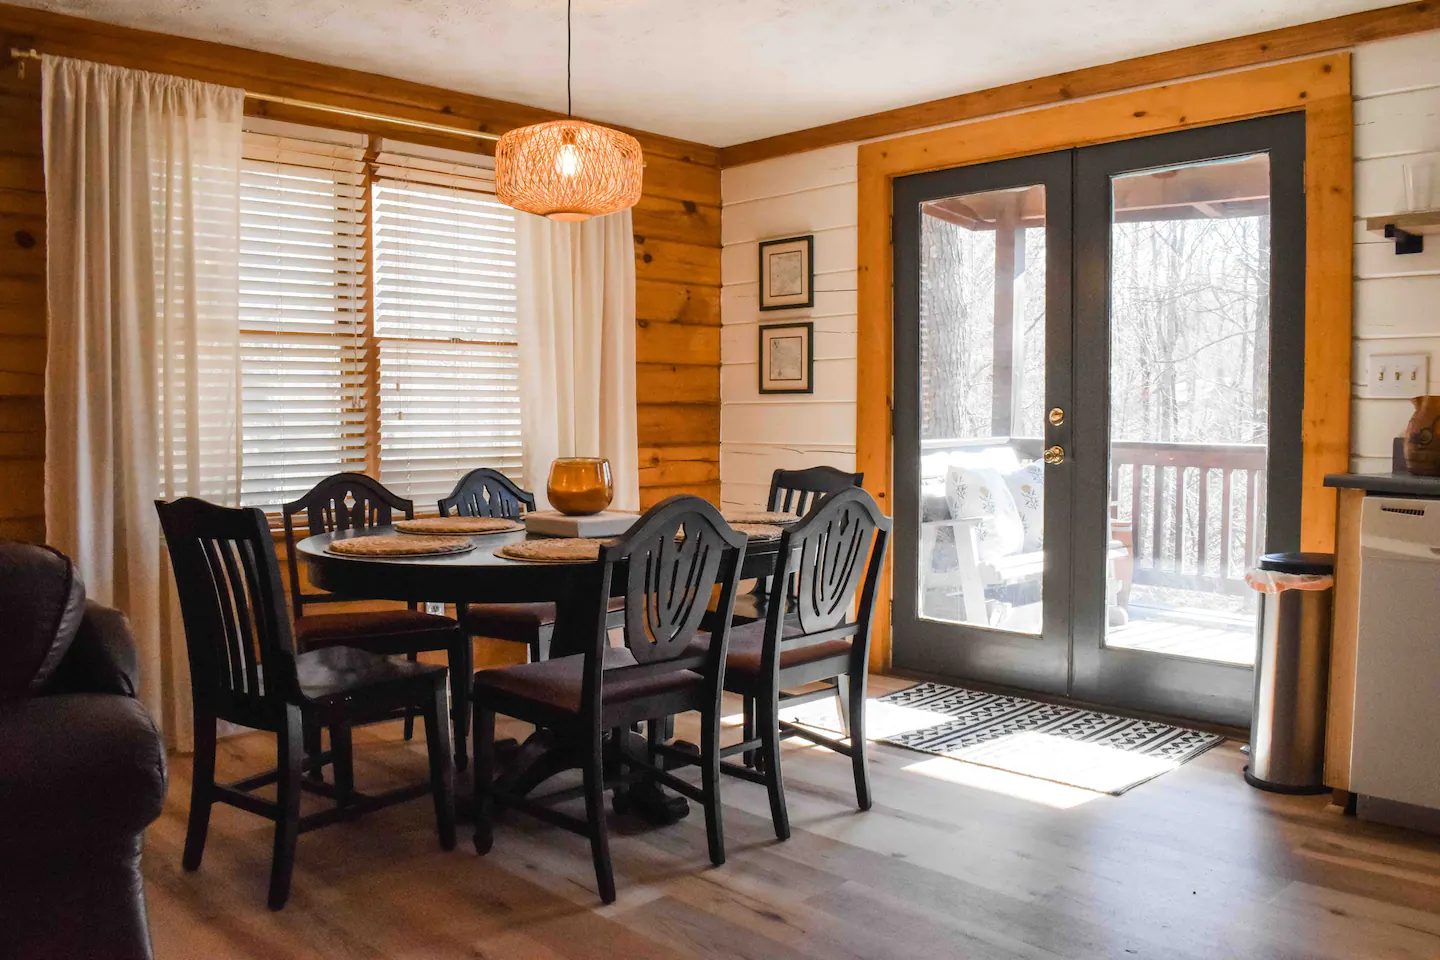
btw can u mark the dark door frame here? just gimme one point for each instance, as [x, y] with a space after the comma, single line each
[1032, 662]
[1069, 657]
[1161, 683]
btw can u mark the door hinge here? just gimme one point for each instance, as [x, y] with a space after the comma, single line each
[892, 230]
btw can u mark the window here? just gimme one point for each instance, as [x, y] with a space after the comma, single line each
[378, 315]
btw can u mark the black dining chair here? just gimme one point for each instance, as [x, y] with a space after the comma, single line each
[666, 567]
[485, 492]
[818, 634]
[796, 491]
[244, 669]
[354, 501]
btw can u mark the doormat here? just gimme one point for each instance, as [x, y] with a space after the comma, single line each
[1080, 748]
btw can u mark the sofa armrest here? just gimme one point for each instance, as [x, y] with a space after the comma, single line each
[102, 659]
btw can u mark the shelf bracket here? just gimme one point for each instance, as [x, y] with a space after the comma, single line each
[1405, 241]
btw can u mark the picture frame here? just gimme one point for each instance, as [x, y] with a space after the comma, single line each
[787, 358]
[787, 273]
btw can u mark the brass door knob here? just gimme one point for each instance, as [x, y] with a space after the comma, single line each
[1055, 454]
[1057, 416]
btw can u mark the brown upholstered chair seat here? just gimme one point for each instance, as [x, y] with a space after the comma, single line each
[337, 673]
[742, 663]
[378, 631]
[516, 621]
[557, 683]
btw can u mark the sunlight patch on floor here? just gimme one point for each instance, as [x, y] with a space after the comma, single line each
[1055, 795]
[1092, 766]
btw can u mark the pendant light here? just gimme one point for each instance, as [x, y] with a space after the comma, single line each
[568, 169]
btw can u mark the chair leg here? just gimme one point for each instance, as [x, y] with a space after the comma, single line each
[343, 758]
[413, 657]
[747, 731]
[540, 644]
[202, 792]
[595, 814]
[842, 694]
[313, 748]
[290, 750]
[483, 773]
[856, 688]
[442, 774]
[462, 678]
[769, 720]
[710, 784]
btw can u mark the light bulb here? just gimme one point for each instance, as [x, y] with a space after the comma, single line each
[567, 160]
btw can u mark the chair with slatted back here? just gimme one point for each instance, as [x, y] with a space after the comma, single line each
[244, 669]
[819, 634]
[484, 492]
[665, 567]
[796, 491]
[354, 501]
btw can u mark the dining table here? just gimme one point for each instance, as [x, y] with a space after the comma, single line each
[482, 575]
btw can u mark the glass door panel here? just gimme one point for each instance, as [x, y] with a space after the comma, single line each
[982, 384]
[1189, 406]
[982, 354]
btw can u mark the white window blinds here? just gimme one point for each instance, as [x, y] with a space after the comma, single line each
[302, 308]
[416, 384]
[444, 320]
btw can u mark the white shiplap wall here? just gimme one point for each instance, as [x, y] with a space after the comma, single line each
[805, 193]
[1397, 299]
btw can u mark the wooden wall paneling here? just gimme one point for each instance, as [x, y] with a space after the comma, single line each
[676, 223]
[1320, 86]
[1260, 48]
[1344, 640]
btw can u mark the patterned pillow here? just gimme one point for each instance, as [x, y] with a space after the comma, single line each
[983, 492]
[1027, 488]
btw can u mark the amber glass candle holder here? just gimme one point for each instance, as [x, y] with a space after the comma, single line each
[579, 486]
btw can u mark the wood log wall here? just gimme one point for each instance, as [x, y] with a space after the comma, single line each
[677, 239]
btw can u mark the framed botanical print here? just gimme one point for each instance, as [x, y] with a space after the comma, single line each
[787, 275]
[787, 362]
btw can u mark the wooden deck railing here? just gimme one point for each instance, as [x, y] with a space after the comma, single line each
[1192, 514]
[1195, 511]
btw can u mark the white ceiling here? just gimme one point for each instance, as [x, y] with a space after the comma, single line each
[716, 71]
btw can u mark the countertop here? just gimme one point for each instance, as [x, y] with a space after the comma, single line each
[1396, 484]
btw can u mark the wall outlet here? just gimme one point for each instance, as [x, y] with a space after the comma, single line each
[1398, 375]
[436, 608]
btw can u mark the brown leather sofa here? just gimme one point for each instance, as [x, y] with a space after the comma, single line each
[82, 768]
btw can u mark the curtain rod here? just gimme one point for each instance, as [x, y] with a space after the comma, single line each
[18, 54]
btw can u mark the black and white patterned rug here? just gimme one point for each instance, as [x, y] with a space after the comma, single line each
[1081, 748]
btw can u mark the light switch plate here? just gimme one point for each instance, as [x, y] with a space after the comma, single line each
[1397, 375]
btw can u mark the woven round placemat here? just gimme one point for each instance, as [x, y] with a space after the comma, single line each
[553, 550]
[467, 526]
[758, 516]
[758, 531]
[399, 545]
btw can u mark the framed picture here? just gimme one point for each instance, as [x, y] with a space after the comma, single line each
[787, 275]
[787, 362]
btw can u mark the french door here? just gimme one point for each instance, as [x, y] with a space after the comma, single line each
[1098, 370]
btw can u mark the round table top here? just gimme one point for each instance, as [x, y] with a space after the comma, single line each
[476, 576]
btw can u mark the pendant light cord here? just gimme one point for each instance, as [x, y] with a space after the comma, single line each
[569, 101]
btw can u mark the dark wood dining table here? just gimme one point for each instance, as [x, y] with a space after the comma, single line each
[481, 576]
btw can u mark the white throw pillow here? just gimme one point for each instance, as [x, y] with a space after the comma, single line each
[983, 492]
[1027, 489]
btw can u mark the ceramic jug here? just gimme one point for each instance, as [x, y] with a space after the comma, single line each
[1422, 438]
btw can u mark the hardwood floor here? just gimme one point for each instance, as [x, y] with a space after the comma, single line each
[953, 861]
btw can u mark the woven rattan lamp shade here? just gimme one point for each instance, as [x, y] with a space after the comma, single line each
[568, 170]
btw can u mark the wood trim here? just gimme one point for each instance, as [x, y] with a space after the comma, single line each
[1344, 641]
[1319, 86]
[1271, 46]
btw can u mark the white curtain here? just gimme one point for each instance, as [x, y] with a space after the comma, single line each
[142, 186]
[576, 311]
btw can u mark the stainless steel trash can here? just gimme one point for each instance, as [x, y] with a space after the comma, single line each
[1292, 673]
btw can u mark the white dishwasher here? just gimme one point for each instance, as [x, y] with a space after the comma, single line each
[1396, 753]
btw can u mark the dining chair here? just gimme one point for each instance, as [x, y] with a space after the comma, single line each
[818, 634]
[244, 669]
[354, 501]
[665, 568]
[485, 492]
